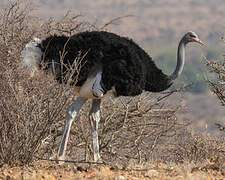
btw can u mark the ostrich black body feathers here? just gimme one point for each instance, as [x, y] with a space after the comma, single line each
[124, 65]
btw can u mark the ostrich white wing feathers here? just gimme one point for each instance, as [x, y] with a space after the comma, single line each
[31, 56]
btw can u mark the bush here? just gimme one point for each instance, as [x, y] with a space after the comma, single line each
[196, 149]
[217, 84]
[30, 108]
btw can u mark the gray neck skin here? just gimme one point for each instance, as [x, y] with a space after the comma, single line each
[180, 60]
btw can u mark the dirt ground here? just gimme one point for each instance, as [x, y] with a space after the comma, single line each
[52, 171]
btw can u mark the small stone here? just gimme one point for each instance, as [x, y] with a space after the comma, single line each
[152, 173]
[121, 177]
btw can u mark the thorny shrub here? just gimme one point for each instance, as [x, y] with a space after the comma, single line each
[32, 109]
[217, 85]
[195, 148]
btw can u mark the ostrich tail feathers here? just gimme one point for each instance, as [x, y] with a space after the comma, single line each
[31, 56]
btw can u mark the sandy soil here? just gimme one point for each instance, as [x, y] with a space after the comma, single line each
[53, 171]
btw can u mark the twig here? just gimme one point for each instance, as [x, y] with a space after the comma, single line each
[115, 19]
[168, 93]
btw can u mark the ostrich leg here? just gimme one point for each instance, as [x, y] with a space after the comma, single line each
[72, 112]
[94, 116]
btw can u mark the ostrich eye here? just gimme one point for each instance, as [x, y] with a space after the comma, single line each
[192, 35]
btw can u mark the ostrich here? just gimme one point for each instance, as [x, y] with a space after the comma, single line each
[110, 65]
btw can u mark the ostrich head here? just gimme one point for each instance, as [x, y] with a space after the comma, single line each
[191, 37]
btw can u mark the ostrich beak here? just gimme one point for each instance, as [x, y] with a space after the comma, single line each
[198, 41]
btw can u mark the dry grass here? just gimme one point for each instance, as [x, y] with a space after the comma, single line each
[132, 130]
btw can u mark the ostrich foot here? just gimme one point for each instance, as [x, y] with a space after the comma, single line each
[60, 159]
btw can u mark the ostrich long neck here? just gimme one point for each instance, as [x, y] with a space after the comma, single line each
[180, 60]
